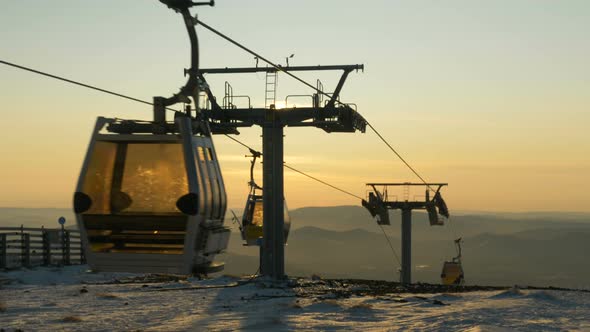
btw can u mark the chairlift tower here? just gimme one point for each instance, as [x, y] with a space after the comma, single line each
[379, 203]
[332, 116]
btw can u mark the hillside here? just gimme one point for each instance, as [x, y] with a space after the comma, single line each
[343, 241]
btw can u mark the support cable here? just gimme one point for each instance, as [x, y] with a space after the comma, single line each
[242, 144]
[329, 185]
[398, 155]
[170, 109]
[391, 247]
[281, 69]
[265, 60]
[323, 182]
[60, 78]
[277, 67]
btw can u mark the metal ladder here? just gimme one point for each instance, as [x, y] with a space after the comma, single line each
[406, 194]
[270, 93]
[228, 98]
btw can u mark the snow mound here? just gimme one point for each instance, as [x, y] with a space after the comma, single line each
[543, 296]
[513, 292]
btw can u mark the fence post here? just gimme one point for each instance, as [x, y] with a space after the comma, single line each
[26, 249]
[46, 248]
[66, 247]
[3, 252]
[82, 255]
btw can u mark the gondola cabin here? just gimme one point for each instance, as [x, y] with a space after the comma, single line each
[452, 273]
[252, 220]
[151, 202]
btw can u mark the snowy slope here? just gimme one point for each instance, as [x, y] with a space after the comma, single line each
[73, 300]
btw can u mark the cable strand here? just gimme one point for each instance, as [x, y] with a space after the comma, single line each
[60, 78]
[322, 182]
[239, 142]
[281, 69]
[391, 246]
[398, 155]
[331, 186]
[278, 68]
[275, 66]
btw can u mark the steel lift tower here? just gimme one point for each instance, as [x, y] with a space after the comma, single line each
[379, 203]
[331, 116]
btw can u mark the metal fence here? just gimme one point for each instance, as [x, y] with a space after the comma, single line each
[28, 247]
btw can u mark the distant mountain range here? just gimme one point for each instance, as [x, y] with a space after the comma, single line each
[344, 241]
[505, 249]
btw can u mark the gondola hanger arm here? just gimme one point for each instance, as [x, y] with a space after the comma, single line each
[191, 87]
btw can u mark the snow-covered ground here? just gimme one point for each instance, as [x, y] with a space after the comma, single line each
[73, 299]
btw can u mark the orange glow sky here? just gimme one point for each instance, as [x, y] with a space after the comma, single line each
[491, 97]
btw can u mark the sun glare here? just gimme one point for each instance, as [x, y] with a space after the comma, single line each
[279, 104]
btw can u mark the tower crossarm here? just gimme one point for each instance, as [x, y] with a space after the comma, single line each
[342, 118]
[334, 116]
[244, 70]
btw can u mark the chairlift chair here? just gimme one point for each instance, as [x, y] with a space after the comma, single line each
[377, 208]
[253, 220]
[452, 272]
[437, 210]
[253, 216]
[434, 217]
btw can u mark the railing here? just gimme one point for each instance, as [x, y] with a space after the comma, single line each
[298, 96]
[28, 247]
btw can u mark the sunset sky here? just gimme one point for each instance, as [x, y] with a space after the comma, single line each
[492, 97]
